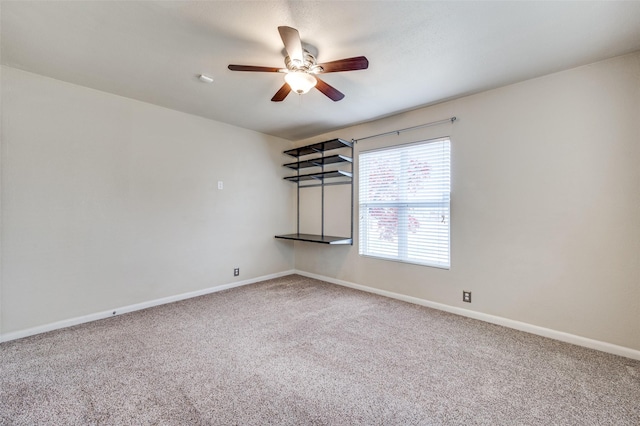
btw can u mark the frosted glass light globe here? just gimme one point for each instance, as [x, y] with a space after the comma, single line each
[300, 82]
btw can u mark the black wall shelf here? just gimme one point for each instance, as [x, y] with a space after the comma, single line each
[311, 238]
[321, 178]
[317, 162]
[319, 147]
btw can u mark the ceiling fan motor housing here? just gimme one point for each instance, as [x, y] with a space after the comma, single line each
[309, 65]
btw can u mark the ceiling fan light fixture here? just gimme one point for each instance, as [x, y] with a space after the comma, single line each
[300, 81]
[301, 68]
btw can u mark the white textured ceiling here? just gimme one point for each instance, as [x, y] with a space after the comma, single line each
[420, 53]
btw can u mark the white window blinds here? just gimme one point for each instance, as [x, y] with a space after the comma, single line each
[404, 203]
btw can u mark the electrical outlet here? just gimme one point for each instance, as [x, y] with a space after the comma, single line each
[466, 296]
[236, 272]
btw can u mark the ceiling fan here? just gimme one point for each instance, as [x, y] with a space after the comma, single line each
[301, 72]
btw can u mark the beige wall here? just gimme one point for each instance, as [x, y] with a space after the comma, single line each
[545, 204]
[108, 202]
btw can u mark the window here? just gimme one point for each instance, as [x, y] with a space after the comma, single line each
[404, 203]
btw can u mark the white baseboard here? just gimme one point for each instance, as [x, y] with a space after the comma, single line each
[517, 325]
[131, 308]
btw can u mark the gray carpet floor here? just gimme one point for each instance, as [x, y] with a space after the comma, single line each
[298, 351]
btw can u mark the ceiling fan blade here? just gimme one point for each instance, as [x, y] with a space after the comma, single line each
[292, 44]
[349, 64]
[281, 94]
[330, 91]
[253, 68]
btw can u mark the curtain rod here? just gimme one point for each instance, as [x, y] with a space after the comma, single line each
[433, 123]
